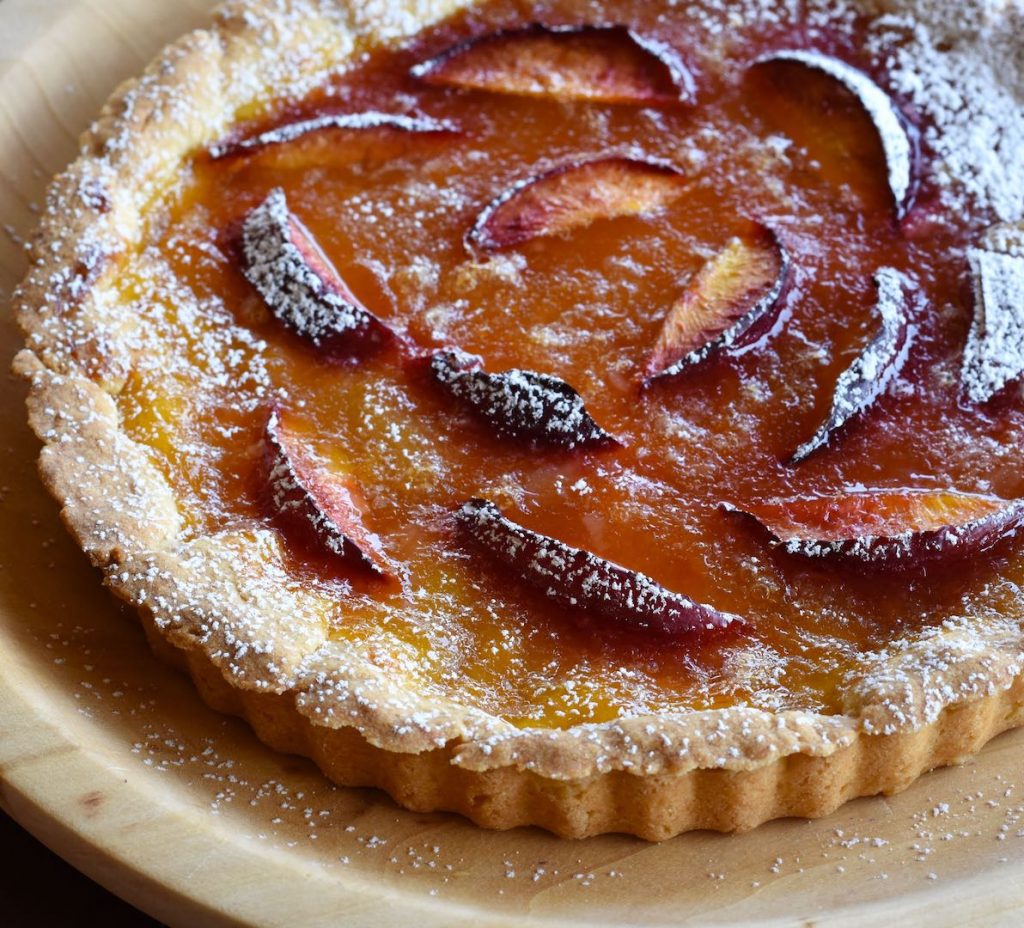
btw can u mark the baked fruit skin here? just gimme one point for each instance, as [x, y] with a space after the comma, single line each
[596, 63]
[579, 580]
[375, 133]
[890, 529]
[317, 503]
[573, 195]
[539, 409]
[898, 138]
[731, 303]
[653, 775]
[282, 260]
[876, 367]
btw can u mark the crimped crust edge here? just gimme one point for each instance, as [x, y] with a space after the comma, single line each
[577, 782]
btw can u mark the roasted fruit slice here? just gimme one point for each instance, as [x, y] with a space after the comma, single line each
[875, 367]
[994, 352]
[303, 290]
[580, 580]
[887, 527]
[361, 136]
[317, 503]
[572, 196]
[521, 405]
[728, 304]
[845, 150]
[601, 64]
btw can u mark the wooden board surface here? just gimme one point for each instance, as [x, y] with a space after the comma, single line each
[111, 759]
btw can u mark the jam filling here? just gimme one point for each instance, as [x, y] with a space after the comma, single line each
[705, 318]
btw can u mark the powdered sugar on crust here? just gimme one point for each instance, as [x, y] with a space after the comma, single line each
[520, 404]
[900, 153]
[672, 743]
[310, 298]
[994, 352]
[960, 67]
[578, 579]
[907, 685]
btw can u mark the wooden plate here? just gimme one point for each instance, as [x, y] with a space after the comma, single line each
[112, 760]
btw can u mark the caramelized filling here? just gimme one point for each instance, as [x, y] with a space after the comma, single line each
[587, 306]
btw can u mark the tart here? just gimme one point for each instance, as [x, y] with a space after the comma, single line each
[603, 416]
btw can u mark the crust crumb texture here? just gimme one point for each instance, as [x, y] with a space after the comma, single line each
[222, 606]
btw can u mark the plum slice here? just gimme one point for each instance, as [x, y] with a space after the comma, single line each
[728, 304]
[317, 503]
[874, 369]
[369, 135]
[522, 405]
[596, 63]
[888, 527]
[897, 138]
[574, 195]
[301, 287]
[994, 352]
[577, 579]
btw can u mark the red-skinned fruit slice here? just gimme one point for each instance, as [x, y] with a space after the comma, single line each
[577, 579]
[599, 64]
[729, 304]
[843, 148]
[354, 136]
[876, 366]
[318, 504]
[888, 528]
[574, 195]
[994, 352]
[520, 405]
[299, 284]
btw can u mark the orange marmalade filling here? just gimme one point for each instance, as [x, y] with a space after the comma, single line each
[587, 306]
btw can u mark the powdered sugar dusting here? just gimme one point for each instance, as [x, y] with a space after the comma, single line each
[252, 592]
[961, 67]
[579, 579]
[355, 122]
[876, 366]
[994, 352]
[890, 124]
[313, 306]
[520, 404]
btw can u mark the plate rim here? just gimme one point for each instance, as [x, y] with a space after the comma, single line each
[34, 735]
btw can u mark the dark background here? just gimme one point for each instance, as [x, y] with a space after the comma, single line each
[39, 890]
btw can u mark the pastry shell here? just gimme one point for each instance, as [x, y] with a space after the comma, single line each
[218, 606]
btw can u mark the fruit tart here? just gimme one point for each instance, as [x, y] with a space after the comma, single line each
[598, 415]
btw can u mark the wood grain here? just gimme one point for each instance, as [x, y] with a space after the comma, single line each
[111, 759]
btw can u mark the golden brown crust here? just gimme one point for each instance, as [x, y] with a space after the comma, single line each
[222, 606]
[651, 806]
